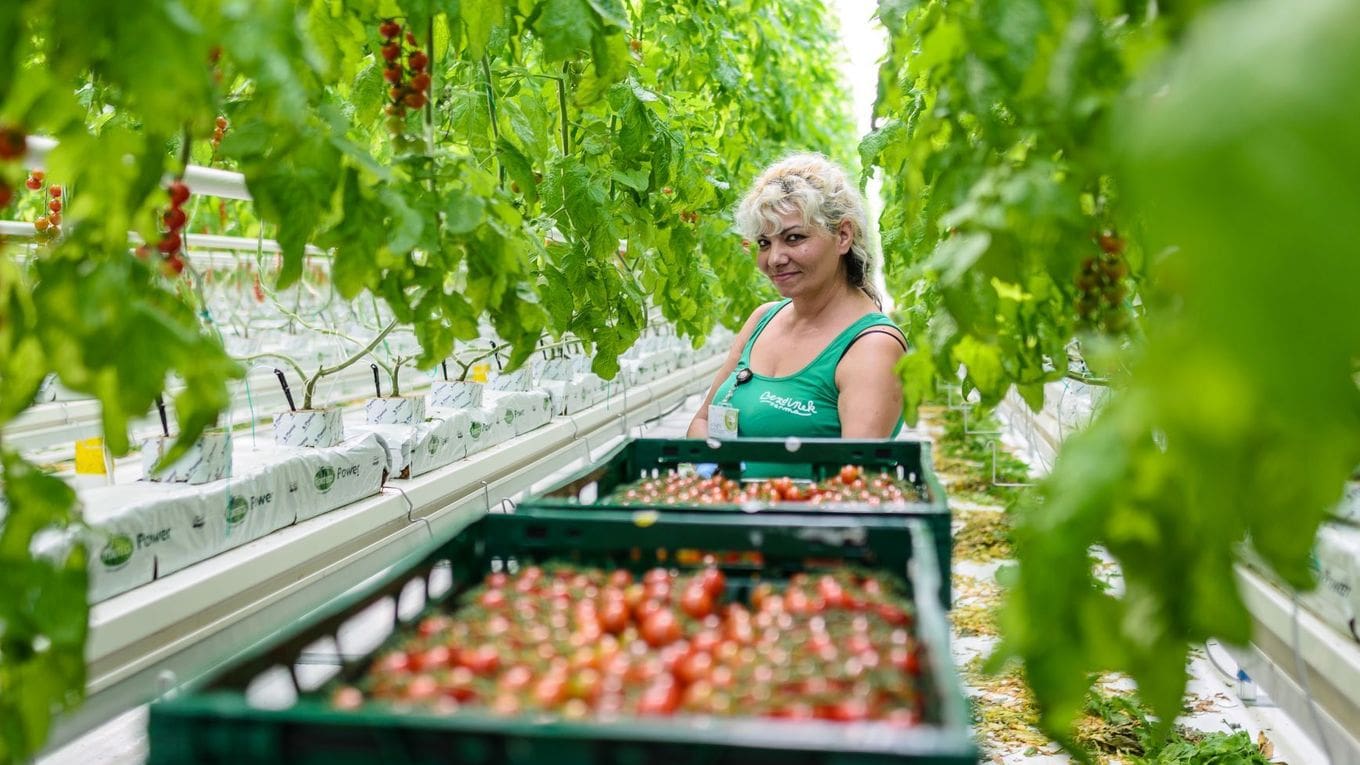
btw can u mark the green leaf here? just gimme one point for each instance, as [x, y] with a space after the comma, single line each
[463, 211]
[357, 239]
[636, 179]
[480, 18]
[518, 167]
[565, 27]
[916, 370]
[983, 362]
[612, 13]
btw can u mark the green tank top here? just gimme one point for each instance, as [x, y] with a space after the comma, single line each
[803, 404]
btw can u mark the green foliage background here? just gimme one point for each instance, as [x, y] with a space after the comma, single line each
[1205, 143]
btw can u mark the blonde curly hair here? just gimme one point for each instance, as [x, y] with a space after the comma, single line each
[821, 191]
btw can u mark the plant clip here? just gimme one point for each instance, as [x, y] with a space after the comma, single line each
[496, 355]
[445, 366]
[165, 424]
[377, 384]
[288, 394]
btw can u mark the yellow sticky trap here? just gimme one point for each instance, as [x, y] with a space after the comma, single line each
[480, 372]
[90, 456]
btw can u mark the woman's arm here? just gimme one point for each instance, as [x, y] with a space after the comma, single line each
[870, 400]
[698, 427]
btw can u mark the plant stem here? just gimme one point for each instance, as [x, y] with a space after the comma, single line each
[467, 366]
[562, 105]
[294, 318]
[429, 102]
[396, 374]
[327, 371]
[301, 375]
[491, 110]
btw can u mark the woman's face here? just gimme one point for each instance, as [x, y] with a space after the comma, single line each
[802, 259]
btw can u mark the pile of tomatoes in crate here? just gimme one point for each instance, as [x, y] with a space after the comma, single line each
[852, 484]
[582, 642]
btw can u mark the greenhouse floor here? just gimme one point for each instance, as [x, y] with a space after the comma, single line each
[1003, 710]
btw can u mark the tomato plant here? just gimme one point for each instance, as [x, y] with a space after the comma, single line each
[524, 141]
[1095, 179]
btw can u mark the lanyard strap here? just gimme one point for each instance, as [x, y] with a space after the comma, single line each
[743, 376]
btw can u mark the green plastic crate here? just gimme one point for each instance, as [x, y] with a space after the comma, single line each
[224, 720]
[817, 458]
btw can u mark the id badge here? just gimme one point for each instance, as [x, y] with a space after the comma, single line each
[722, 421]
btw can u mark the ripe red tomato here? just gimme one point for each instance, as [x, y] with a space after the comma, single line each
[433, 625]
[696, 601]
[54, 191]
[1110, 243]
[422, 688]
[613, 616]
[347, 697]
[482, 660]
[694, 666]
[661, 697]
[179, 193]
[849, 474]
[175, 218]
[832, 592]
[492, 599]
[437, 657]
[550, 691]
[419, 61]
[394, 663]
[389, 28]
[170, 243]
[705, 640]
[658, 590]
[661, 628]
[893, 615]
[391, 52]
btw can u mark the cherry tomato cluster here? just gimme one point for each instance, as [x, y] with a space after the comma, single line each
[46, 227]
[171, 243]
[408, 83]
[1100, 286]
[13, 146]
[587, 642]
[852, 484]
[219, 132]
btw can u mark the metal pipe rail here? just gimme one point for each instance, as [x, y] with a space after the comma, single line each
[199, 179]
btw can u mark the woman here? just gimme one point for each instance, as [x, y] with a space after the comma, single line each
[820, 362]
